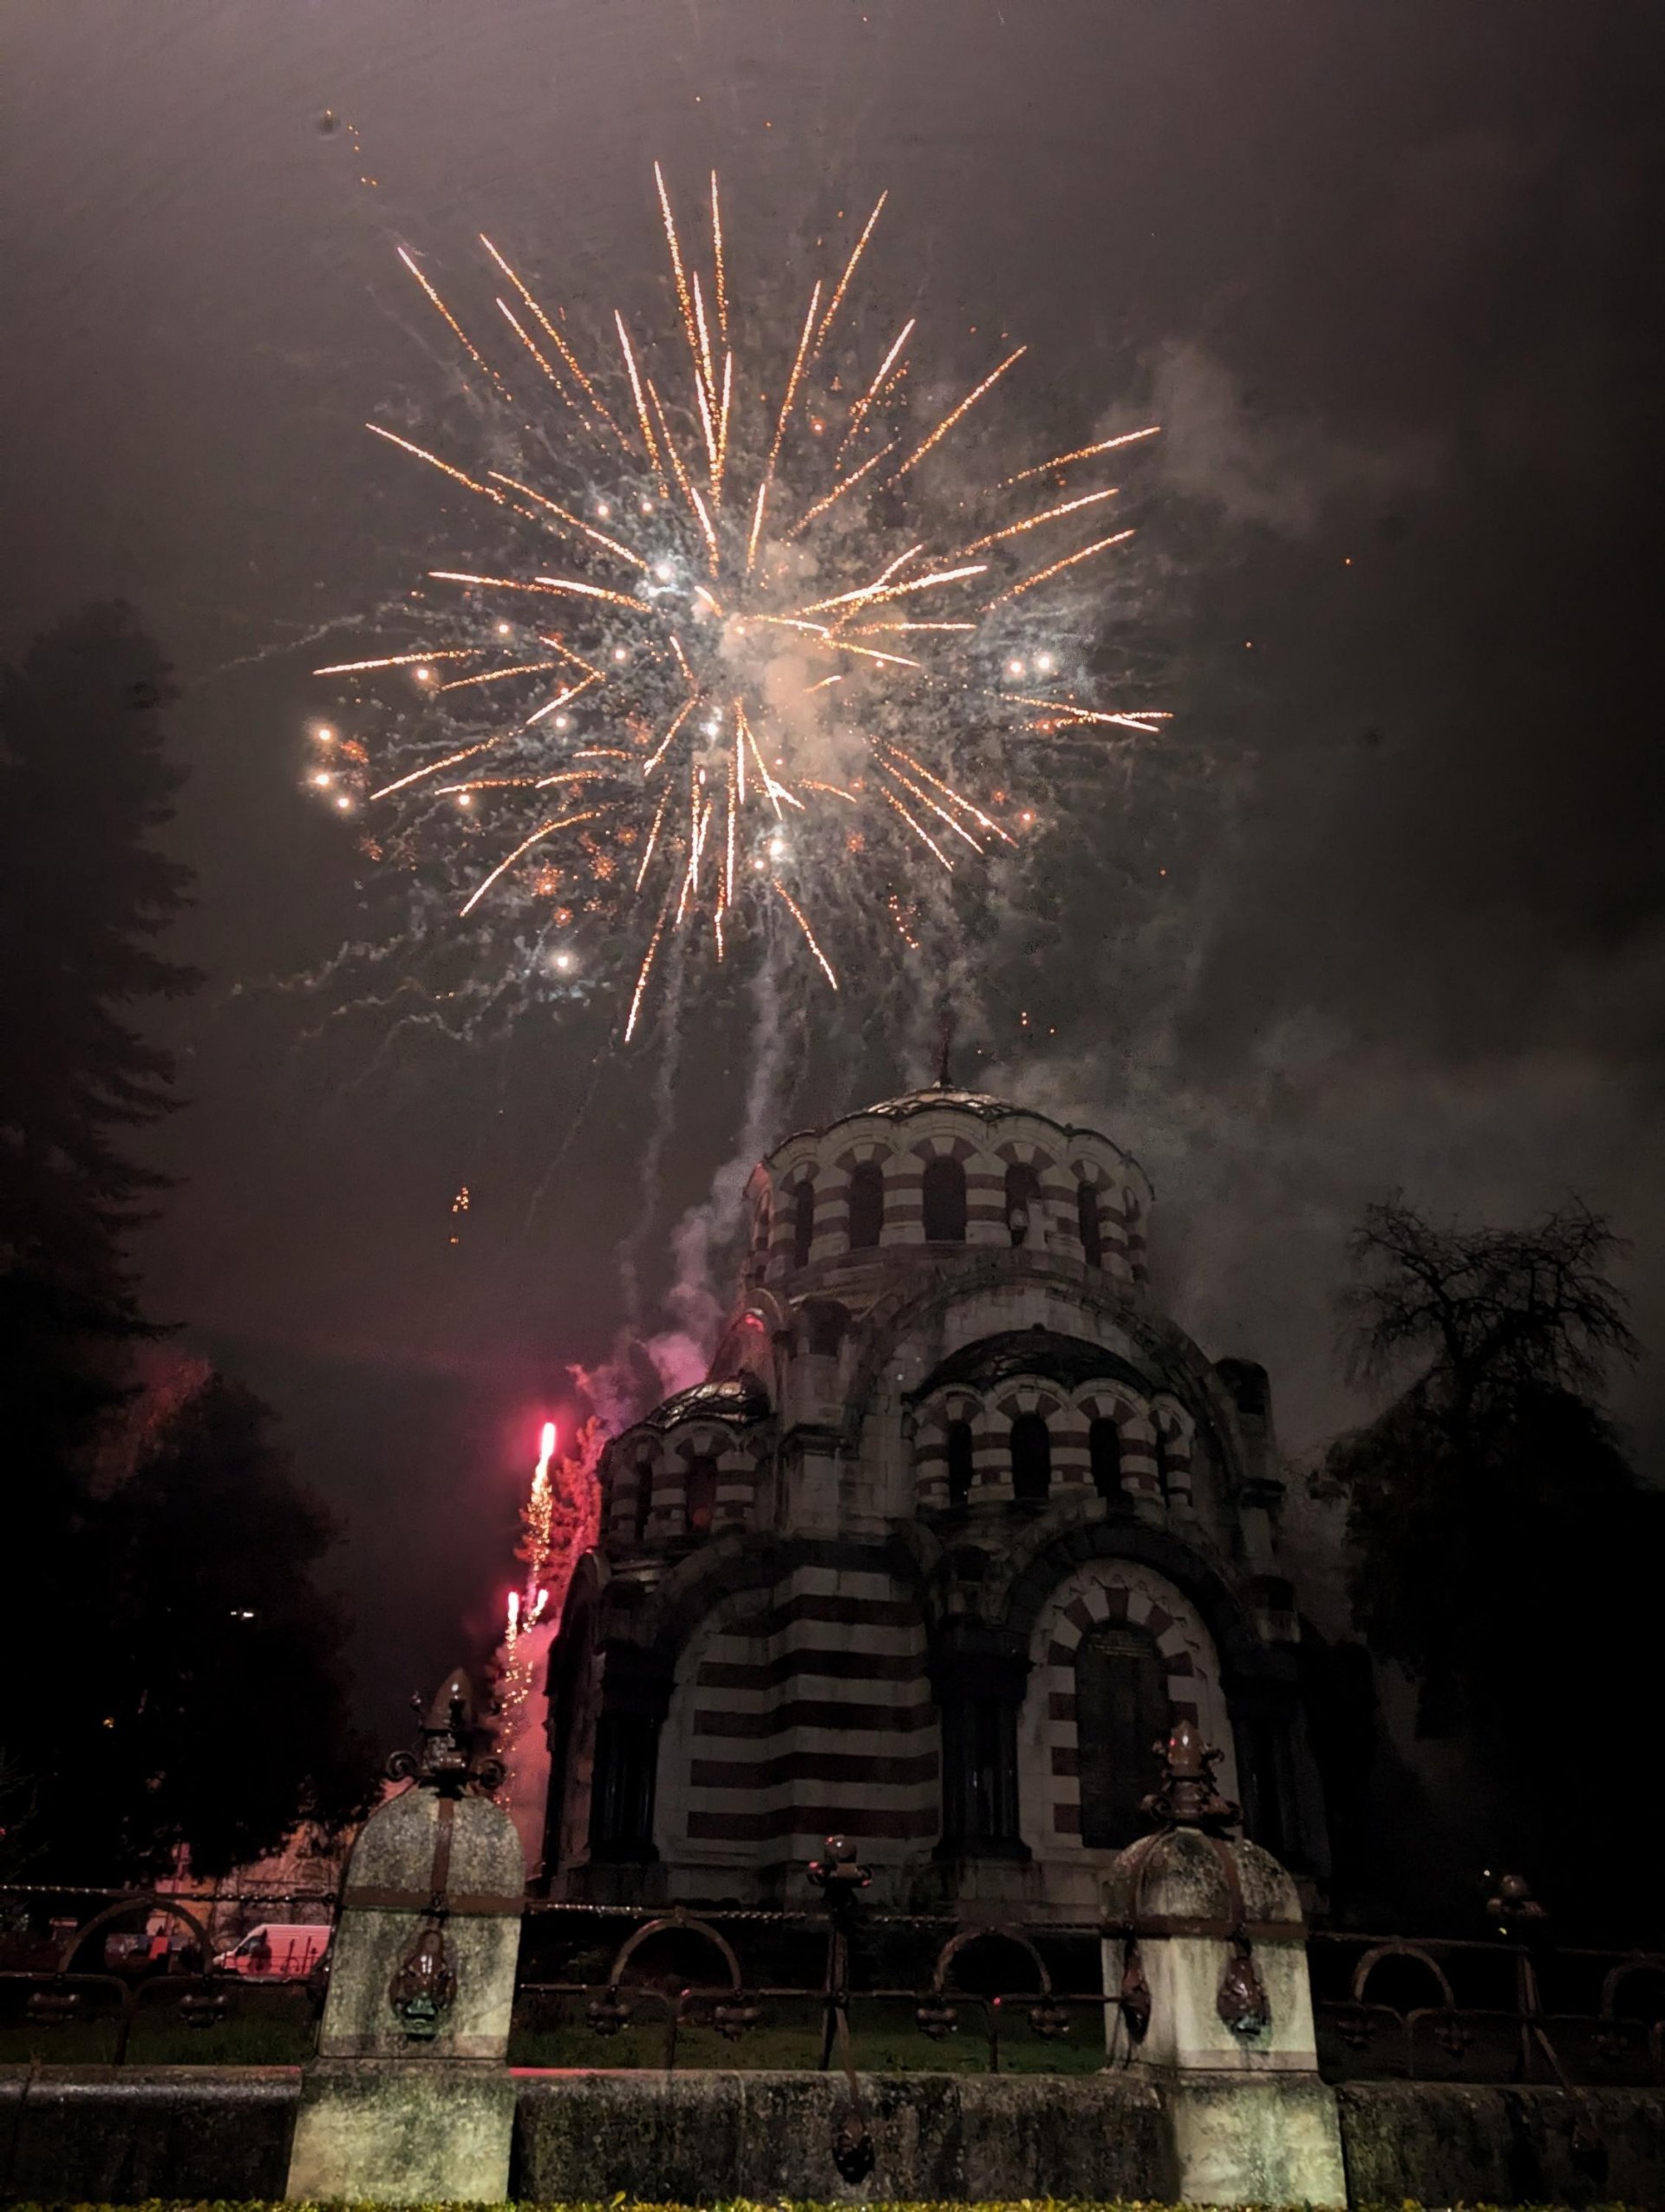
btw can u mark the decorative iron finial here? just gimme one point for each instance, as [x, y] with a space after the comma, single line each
[1186, 1797]
[1514, 1912]
[450, 1755]
[838, 1876]
[945, 1046]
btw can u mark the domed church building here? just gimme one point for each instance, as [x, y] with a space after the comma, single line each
[958, 1526]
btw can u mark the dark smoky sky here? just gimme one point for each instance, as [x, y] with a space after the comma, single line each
[1384, 910]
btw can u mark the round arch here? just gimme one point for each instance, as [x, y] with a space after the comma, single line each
[1034, 1580]
[1109, 1595]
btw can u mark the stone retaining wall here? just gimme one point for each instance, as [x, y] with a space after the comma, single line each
[123, 2135]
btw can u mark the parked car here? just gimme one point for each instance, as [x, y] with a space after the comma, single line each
[277, 1951]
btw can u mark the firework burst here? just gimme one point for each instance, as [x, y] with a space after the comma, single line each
[771, 647]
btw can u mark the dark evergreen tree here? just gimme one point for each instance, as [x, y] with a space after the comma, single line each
[1502, 1550]
[179, 1678]
[85, 786]
[84, 894]
[223, 1690]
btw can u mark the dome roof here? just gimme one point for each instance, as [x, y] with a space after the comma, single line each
[945, 1094]
[1067, 1361]
[737, 1399]
[983, 1104]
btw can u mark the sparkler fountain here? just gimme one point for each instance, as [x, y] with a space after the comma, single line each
[559, 1522]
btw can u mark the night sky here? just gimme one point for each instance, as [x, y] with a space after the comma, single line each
[1385, 910]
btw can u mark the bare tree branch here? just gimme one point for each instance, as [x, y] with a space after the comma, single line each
[1486, 1309]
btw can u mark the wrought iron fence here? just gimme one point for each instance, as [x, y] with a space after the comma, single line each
[84, 1972]
[831, 1984]
[1431, 2009]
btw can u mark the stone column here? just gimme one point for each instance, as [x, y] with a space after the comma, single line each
[410, 2099]
[1207, 1948]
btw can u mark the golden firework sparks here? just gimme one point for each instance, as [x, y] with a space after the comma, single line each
[1081, 453]
[713, 680]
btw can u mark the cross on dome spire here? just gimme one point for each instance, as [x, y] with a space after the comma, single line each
[946, 1044]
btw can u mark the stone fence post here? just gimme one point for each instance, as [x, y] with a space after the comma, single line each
[410, 2100]
[1207, 1945]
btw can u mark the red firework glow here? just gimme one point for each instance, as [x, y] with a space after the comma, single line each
[558, 1523]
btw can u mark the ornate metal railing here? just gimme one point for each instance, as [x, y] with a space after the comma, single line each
[829, 1985]
[64, 1995]
[1431, 2009]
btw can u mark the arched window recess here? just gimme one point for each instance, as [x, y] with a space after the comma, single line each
[1087, 1220]
[1023, 1204]
[866, 1205]
[1031, 1460]
[961, 1463]
[944, 1201]
[803, 1222]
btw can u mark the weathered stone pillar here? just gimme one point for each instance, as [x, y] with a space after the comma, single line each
[410, 2100]
[1208, 1952]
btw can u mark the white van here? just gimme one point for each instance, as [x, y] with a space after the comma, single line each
[277, 1950]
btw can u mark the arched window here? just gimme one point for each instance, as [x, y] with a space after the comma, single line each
[643, 1498]
[1087, 1213]
[824, 1323]
[1031, 1458]
[1121, 1710]
[1104, 1457]
[803, 1223]
[1167, 1453]
[944, 1204]
[1022, 1202]
[866, 1205]
[701, 1494]
[960, 1469]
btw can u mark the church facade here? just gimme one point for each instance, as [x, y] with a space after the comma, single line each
[958, 1525]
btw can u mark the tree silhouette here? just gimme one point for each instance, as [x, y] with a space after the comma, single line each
[1502, 1550]
[178, 1678]
[220, 1666]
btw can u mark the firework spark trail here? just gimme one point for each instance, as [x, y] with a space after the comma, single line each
[455, 328]
[664, 1098]
[958, 414]
[401, 660]
[562, 699]
[765, 668]
[434, 768]
[1035, 521]
[1046, 575]
[859, 248]
[573, 522]
[718, 263]
[683, 298]
[635, 375]
[931, 807]
[798, 916]
[832, 497]
[531, 345]
[434, 461]
[559, 343]
[501, 675]
[958, 798]
[793, 382]
[1081, 453]
[547, 829]
[858, 413]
